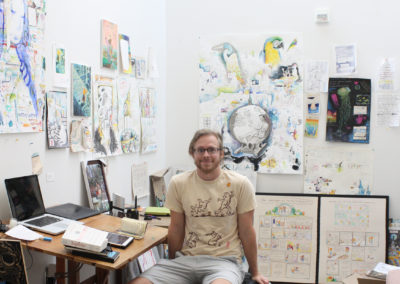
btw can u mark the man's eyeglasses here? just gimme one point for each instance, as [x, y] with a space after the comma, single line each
[210, 150]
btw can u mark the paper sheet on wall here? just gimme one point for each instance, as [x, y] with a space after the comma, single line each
[388, 109]
[346, 59]
[316, 76]
[312, 115]
[330, 171]
[387, 75]
[140, 180]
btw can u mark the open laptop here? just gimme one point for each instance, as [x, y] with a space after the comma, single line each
[26, 204]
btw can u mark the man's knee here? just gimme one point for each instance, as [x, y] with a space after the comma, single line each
[140, 280]
[220, 281]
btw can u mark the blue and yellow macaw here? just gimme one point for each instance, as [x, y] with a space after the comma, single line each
[230, 59]
[271, 51]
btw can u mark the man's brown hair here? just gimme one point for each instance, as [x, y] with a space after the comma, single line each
[204, 132]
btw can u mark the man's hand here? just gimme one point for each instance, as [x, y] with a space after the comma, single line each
[260, 279]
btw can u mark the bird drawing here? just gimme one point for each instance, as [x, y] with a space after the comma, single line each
[271, 52]
[231, 61]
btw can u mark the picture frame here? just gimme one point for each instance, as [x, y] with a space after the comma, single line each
[96, 185]
[12, 268]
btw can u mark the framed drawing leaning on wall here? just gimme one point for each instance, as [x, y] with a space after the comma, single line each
[96, 185]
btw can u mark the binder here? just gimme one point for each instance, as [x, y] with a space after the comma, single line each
[160, 211]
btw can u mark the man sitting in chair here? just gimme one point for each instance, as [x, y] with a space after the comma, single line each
[212, 212]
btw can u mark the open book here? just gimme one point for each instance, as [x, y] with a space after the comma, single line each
[81, 236]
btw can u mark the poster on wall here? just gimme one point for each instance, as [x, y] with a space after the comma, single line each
[59, 64]
[105, 117]
[57, 129]
[349, 108]
[125, 52]
[81, 90]
[22, 94]
[148, 111]
[286, 229]
[251, 91]
[128, 115]
[353, 235]
[109, 45]
[330, 171]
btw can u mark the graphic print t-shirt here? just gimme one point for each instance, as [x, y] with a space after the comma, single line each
[211, 210]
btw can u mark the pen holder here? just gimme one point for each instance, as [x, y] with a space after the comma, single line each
[133, 214]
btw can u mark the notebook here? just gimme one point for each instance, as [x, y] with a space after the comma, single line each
[72, 211]
[26, 204]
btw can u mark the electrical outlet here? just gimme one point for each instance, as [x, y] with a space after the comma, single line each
[50, 177]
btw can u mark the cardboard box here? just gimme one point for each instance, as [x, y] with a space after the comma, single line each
[158, 187]
[362, 279]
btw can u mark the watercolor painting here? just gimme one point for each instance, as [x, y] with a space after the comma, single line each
[109, 44]
[57, 130]
[251, 92]
[81, 90]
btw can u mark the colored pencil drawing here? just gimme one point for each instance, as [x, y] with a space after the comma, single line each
[109, 44]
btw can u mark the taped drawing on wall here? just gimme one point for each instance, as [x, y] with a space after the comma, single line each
[81, 135]
[128, 115]
[57, 129]
[125, 51]
[147, 99]
[59, 66]
[81, 90]
[252, 92]
[105, 117]
[22, 94]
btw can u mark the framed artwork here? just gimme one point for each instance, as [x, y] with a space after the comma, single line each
[353, 234]
[57, 129]
[96, 185]
[12, 266]
[109, 45]
[125, 52]
[287, 233]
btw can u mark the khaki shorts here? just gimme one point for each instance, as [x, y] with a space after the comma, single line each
[195, 269]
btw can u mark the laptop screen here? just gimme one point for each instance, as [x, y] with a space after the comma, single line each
[25, 197]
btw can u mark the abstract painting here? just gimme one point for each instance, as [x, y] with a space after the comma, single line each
[125, 51]
[251, 91]
[81, 90]
[57, 131]
[22, 94]
[105, 117]
[128, 115]
[109, 45]
[349, 107]
[12, 265]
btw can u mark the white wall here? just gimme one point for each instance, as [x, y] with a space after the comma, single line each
[76, 25]
[369, 24]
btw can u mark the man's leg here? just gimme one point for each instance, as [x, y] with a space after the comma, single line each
[140, 280]
[221, 281]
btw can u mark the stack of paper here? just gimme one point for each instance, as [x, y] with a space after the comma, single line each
[81, 236]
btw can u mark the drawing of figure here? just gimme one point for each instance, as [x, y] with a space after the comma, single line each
[192, 240]
[215, 237]
[199, 210]
[225, 208]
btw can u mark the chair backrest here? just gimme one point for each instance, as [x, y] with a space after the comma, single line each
[12, 264]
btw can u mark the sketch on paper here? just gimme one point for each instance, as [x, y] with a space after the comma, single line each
[125, 51]
[140, 68]
[349, 108]
[105, 117]
[346, 59]
[352, 236]
[329, 171]
[81, 135]
[147, 120]
[22, 94]
[128, 115]
[57, 129]
[312, 116]
[81, 90]
[252, 92]
[286, 229]
[109, 44]
[316, 76]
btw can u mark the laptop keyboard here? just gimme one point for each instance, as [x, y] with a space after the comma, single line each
[45, 220]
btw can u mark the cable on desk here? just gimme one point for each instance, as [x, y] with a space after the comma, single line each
[30, 254]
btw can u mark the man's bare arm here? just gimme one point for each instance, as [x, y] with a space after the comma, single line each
[176, 233]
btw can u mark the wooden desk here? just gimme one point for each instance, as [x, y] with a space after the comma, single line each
[153, 237]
